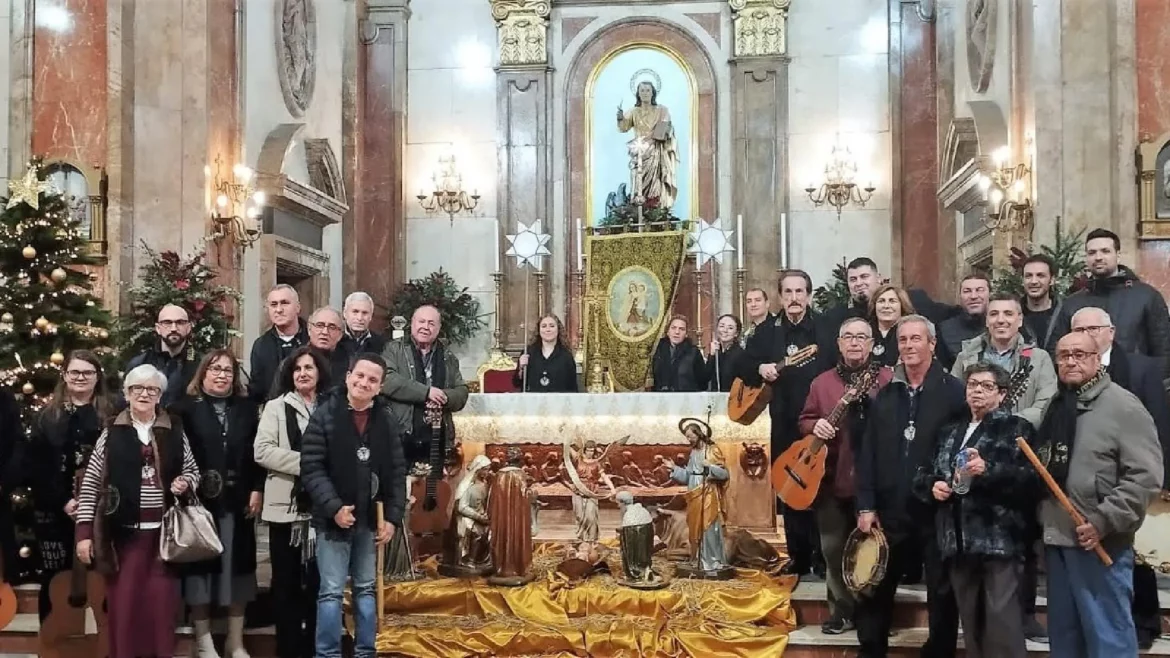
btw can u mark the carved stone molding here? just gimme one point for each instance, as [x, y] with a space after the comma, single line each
[760, 27]
[522, 26]
[314, 204]
[324, 174]
[981, 27]
[296, 53]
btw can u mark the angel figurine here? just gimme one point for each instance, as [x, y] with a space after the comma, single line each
[589, 482]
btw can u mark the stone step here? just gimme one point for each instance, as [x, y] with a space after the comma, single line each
[808, 642]
[20, 637]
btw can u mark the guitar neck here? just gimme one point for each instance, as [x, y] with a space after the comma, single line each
[436, 456]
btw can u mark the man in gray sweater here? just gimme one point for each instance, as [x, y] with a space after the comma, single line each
[1101, 447]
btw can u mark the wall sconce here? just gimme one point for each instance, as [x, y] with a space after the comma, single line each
[448, 195]
[839, 190]
[1005, 191]
[238, 205]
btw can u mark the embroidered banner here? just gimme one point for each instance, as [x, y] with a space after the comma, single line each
[631, 280]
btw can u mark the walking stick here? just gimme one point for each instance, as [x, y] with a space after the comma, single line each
[380, 576]
[1077, 517]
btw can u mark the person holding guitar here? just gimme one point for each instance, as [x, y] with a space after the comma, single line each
[835, 413]
[63, 438]
[795, 328]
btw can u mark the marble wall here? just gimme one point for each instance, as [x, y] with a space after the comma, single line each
[839, 92]
[1153, 115]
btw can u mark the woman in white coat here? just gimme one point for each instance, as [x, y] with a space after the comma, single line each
[302, 378]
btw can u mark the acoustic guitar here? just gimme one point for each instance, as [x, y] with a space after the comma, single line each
[71, 593]
[797, 474]
[431, 514]
[746, 403]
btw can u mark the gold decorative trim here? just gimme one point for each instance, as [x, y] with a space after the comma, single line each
[497, 361]
[760, 27]
[522, 28]
[1150, 225]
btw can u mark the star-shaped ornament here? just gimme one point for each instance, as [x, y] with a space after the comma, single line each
[709, 240]
[28, 189]
[529, 245]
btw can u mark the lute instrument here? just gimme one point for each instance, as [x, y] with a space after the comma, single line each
[797, 474]
[1019, 380]
[431, 514]
[746, 403]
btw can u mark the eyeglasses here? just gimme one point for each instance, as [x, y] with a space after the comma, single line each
[982, 385]
[174, 323]
[854, 338]
[221, 370]
[1077, 356]
[81, 374]
[325, 326]
[1092, 330]
[148, 391]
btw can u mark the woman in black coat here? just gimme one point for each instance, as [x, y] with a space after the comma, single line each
[220, 423]
[678, 365]
[547, 365]
[63, 438]
[726, 355]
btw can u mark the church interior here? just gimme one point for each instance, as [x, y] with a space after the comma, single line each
[466, 152]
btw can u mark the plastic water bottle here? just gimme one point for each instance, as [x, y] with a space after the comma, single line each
[961, 481]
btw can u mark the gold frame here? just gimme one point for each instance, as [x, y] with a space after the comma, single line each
[1150, 227]
[96, 243]
[498, 360]
[591, 81]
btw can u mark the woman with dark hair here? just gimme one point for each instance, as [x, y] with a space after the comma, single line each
[302, 380]
[887, 305]
[220, 422]
[547, 365]
[677, 364]
[723, 361]
[63, 437]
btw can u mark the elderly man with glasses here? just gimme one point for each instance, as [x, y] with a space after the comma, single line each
[1101, 447]
[173, 355]
[326, 328]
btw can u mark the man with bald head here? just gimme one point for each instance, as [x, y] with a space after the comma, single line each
[1101, 447]
[287, 334]
[172, 355]
[423, 373]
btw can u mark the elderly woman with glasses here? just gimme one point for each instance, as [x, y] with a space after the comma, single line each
[63, 437]
[138, 468]
[220, 421]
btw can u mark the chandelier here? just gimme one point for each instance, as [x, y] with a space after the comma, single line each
[448, 195]
[238, 206]
[839, 189]
[1005, 194]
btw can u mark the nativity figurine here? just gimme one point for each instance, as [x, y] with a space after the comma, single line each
[510, 518]
[466, 552]
[705, 475]
[589, 482]
[636, 536]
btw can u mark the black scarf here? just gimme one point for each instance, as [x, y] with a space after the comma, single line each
[1119, 370]
[437, 358]
[1057, 435]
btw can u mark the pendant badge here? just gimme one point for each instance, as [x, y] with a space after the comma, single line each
[148, 473]
[544, 381]
[363, 454]
[792, 349]
[211, 485]
[879, 349]
[909, 432]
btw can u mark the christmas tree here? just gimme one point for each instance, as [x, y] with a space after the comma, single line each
[189, 282]
[47, 309]
[1067, 251]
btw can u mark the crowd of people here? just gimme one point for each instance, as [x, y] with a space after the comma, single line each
[323, 423]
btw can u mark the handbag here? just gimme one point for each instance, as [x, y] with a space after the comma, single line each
[188, 534]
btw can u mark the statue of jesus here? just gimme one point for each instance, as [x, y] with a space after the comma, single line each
[653, 149]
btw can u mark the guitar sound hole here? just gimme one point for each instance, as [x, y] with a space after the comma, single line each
[430, 504]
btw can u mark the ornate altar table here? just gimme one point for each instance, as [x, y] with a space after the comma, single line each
[540, 422]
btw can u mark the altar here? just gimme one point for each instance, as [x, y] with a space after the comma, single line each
[541, 423]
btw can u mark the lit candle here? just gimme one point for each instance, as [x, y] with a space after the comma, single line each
[580, 246]
[783, 240]
[739, 239]
[497, 243]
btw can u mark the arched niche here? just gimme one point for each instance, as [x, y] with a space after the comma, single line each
[84, 192]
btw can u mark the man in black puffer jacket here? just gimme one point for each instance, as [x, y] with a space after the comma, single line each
[1138, 310]
[351, 458]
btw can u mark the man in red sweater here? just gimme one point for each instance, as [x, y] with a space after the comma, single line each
[828, 415]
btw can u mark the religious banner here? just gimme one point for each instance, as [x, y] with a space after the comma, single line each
[631, 279]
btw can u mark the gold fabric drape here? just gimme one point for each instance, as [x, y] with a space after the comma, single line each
[447, 618]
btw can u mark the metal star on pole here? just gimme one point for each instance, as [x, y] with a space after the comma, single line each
[710, 240]
[27, 189]
[529, 245]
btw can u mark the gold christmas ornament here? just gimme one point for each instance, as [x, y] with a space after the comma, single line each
[29, 253]
[57, 358]
[7, 318]
[104, 335]
[58, 275]
[42, 323]
[27, 189]
[28, 388]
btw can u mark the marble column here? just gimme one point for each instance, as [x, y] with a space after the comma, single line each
[524, 146]
[374, 129]
[1153, 97]
[20, 85]
[944, 67]
[759, 129]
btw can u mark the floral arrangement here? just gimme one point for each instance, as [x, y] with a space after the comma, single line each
[458, 310]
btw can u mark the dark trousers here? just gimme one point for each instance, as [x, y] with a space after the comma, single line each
[801, 538]
[875, 614]
[1030, 577]
[1147, 617]
[294, 592]
[986, 591]
[835, 520]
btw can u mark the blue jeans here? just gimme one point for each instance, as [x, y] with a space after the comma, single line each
[1089, 604]
[341, 554]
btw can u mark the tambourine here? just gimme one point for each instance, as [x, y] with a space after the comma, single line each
[865, 560]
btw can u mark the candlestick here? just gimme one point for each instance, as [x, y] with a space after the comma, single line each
[497, 243]
[739, 240]
[740, 276]
[698, 303]
[540, 277]
[783, 241]
[498, 278]
[580, 245]
[579, 277]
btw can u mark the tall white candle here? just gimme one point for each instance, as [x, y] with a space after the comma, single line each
[497, 243]
[580, 245]
[783, 240]
[739, 240]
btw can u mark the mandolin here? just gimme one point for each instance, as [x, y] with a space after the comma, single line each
[430, 515]
[1019, 381]
[746, 403]
[71, 593]
[797, 474]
